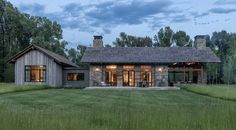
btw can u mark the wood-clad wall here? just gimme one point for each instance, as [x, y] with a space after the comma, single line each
[34, 57]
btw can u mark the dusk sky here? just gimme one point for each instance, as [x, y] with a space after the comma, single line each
[81, 19]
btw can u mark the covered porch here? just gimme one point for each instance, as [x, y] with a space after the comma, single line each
[145, 75]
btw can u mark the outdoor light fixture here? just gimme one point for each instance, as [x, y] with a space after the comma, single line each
[96, 69]
[175, 63]
[160, 69]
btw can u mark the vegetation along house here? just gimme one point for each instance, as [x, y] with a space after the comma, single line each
[116, 66]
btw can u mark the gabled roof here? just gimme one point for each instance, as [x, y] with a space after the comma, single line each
[148, 55]
[58, 58]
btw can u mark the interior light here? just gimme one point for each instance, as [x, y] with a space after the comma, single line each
[96, 69]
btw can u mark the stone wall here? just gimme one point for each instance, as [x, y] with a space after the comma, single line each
[95, 75]
[161, 76]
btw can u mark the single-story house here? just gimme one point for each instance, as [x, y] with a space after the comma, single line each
[116, 66]
[148, 66]
[36, 65]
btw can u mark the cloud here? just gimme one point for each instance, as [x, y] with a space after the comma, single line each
[199, 15]
[225, 2]
[32, 8]
[107, 15]
[180, 19]
[222, 10]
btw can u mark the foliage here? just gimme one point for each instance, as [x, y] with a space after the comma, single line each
[75, 55]
[164, 38]
[60, 109]
[10, 88]
[229, 66]
[181, 38]
[224, 43]
[219, 91]
[18, 30]
[132, 41]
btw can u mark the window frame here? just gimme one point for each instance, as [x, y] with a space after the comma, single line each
[28, 69]
[83, 79]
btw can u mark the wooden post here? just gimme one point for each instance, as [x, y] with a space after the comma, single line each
[184, 73]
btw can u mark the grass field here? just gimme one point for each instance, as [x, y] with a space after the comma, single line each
[219, 91]
[60, 109]
[10, 88]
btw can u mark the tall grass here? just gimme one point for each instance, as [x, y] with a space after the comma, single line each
[60, 109]
[219, 91]
[9, 88]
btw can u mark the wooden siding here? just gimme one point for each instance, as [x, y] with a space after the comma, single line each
[84, 83]
[34, 57]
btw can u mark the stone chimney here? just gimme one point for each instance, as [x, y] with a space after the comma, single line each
[200, 41]
[97, 41]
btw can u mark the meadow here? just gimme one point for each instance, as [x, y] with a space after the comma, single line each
[78, 109]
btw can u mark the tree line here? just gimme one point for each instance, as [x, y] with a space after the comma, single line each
[19, 30]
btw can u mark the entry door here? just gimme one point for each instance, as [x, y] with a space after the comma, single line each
[128, 78]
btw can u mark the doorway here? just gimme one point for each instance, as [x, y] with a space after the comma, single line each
[128, 78]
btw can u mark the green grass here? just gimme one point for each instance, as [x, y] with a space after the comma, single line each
[219, 91]
[9, 88]
[60, 109]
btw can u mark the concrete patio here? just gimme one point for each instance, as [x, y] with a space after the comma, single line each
[131, 88]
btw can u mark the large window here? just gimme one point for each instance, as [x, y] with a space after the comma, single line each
[35, 73]
[75, 76]
[111, 75]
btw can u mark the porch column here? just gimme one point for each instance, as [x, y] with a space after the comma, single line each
[137, 74]
[119, 75]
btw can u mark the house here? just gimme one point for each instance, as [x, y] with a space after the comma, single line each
[148, 66]
[116, 66]
[38, 66]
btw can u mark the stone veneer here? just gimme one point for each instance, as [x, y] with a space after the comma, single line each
[161, 76]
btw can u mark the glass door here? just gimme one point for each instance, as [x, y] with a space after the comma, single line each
[147, 77]
[128, 78]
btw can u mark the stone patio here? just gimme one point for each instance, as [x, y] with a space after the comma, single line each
[131, 88]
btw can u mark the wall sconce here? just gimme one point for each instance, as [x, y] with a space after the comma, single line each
[97, 69]
[160, 69]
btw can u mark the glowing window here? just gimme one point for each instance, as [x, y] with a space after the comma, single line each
[111, 67]
[128, 67]
[75, 76]
[35, 73]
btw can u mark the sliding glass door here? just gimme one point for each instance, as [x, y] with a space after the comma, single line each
[128, 78]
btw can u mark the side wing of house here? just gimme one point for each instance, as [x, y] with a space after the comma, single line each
[34, 67]
[75, 77]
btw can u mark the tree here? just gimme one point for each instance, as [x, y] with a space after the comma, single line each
[132, 41]
[222, 42]
[108, 45]
[164, 38]
[229, 66]
[181, 38]
[75, 55]
[18, 30]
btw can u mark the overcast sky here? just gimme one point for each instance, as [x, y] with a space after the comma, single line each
[81, 19]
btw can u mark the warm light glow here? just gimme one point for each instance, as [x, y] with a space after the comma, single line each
[160, 69]
[190, 63]
[128, 67]
[111, 67]
[97, 69]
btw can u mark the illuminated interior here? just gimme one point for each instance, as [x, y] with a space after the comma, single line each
[75, 76]
[146, 74]
[111, 75]
[35, 73]
[128, 75]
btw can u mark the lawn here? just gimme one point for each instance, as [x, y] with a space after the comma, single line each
[60, 109]
[219, 91]
[10, 88]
